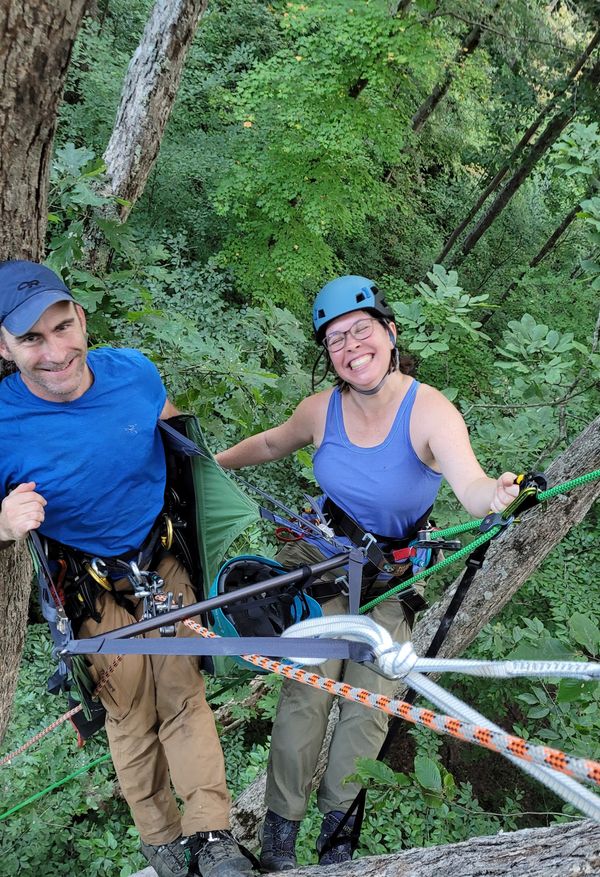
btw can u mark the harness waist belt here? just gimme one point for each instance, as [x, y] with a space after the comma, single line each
[379, 549]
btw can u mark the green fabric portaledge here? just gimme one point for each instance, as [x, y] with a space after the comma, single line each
[223, 512]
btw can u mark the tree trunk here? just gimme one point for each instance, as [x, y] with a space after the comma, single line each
[36, 41]
[401, 7]
[571, 850]
[548, 246]
[467, 47]
[148, 95]
[523, 142]
[15, 578]
[559, 851]
[510, 561]
[553, 130]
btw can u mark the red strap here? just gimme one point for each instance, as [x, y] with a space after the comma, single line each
[284, 534]
[400, 554]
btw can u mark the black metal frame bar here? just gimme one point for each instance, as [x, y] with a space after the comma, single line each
[289, 578]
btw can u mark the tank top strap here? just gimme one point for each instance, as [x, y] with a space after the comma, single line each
[402, 419]
[334, 422]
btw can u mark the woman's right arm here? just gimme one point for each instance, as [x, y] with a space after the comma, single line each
[273, 444]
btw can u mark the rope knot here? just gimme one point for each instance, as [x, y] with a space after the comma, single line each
[397, 660]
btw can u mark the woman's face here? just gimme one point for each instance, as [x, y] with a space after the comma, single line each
[360, 361]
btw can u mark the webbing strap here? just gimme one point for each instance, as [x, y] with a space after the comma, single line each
[357, 807]
[371, 542]
[243, 645]
[355, 574]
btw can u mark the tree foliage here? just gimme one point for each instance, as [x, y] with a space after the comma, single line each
[290, 156]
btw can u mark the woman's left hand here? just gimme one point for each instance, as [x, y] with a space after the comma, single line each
[505, 491]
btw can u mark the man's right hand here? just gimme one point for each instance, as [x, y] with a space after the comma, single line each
[21, 511]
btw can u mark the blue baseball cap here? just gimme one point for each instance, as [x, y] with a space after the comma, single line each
[27, 289]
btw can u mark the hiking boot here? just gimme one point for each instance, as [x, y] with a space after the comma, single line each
[341, 848]
[216, 854]
[278, 843]
[168, 860]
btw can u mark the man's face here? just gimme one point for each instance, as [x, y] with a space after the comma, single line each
[51, 357]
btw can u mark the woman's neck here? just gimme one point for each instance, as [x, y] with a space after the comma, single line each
[395, 384]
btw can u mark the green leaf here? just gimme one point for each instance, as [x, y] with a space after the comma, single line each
[585, 632]
[370, 769]
[545, 649]
[570, 690]
[431, 799]
[428, 773]
[538, 712]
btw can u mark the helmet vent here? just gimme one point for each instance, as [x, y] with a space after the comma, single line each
[360, 296]
[320, 313]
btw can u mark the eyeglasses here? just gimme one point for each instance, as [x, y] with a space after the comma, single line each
[360, 330]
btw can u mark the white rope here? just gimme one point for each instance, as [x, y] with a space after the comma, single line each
[399, 661]
[396, 660]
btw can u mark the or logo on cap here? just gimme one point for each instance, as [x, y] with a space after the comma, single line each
[28, 284]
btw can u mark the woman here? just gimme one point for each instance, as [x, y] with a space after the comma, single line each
[384, 441]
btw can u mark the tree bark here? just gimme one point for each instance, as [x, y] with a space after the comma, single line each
[148, 95]
[510, 561]
[467, 47]
[571, 850]
[401, 7]
[15, 578]
[523, 142]
[36, 41]
[534, 852]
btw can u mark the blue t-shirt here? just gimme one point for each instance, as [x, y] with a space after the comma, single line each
[98, 460]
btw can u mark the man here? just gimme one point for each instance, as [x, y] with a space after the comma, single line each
[81, 459]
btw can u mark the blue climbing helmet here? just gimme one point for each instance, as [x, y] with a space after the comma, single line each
[346, 294]
[267, 613]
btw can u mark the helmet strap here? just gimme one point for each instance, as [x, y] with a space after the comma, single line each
[373, 390]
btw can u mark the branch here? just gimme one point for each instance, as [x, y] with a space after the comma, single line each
[572, 849]
[505, 36]
[555, 403]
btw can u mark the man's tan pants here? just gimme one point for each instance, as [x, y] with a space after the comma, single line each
[160, 728]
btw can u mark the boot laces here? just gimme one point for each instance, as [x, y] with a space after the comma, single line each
[214, 848]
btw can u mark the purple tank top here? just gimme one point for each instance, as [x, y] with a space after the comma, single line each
[386, 488]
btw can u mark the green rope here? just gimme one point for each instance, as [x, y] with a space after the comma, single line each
[425, 573]
[568, 485]
[542, 496]
[457, 529]
[55, 785]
